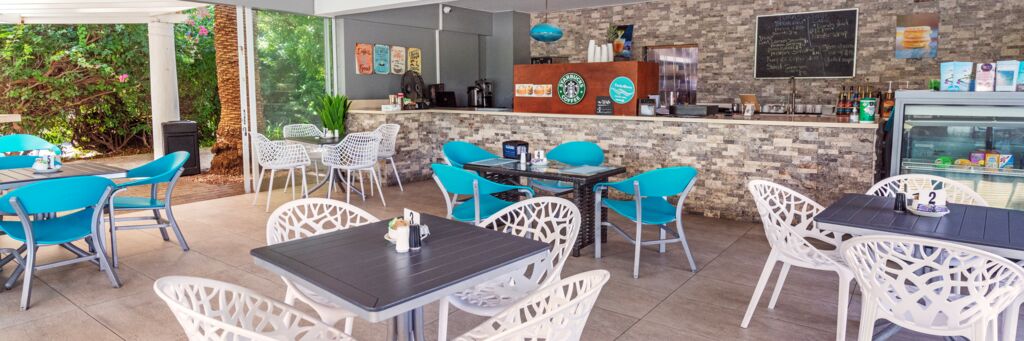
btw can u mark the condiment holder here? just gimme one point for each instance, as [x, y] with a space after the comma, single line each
[46, 164]
[406, 232]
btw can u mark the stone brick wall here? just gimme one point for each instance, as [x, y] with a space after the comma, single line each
[970, 30]
[822, 162]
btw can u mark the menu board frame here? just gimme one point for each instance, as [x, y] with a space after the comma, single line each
[856, 38]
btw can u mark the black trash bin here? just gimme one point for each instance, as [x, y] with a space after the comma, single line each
[183, 136]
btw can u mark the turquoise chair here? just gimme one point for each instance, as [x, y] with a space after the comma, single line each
[458, 153]
[166, 169]
[455, 181]
[17, 143]
[80, 200]
[575, 153]
[22, 144]
[649, 206]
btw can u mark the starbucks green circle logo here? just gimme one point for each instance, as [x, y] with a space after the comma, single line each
[571, 88]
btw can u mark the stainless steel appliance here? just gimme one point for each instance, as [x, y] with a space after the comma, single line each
[474, 96]
[487, 90]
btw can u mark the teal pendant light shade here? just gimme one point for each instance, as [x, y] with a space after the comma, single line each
[546, 32]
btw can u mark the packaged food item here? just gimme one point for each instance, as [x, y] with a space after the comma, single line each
[943, 161]
[956, 76]
[1005, 160]
[992, 160]
[977, 158]
[868, 109]
[985, 77]
[962, 162]
[1006, 75]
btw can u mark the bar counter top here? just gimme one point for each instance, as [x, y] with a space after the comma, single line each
[758, 119]
[824, 156]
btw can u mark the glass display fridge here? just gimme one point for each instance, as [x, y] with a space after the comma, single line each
[976, 138]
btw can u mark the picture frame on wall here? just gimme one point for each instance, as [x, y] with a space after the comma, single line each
[415, 56]
[364, 59]
[381, 59]
[397, 60]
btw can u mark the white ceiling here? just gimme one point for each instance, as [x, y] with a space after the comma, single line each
[536, 6]
[92, 11]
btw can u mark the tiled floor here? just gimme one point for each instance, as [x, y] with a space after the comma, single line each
[667, 302]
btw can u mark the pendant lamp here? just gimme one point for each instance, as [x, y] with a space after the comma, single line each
[545, 31]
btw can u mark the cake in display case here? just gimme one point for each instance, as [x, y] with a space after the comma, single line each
[976, 138]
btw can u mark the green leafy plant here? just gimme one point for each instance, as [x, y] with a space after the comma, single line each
[332, 110]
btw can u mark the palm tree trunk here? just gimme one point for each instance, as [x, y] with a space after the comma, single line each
[227, 150]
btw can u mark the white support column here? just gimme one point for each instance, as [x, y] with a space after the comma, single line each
[163, 81]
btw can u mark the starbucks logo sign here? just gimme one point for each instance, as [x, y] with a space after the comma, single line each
[571, 88]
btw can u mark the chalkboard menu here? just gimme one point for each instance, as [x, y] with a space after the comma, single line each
[806, 45]
[604, 105]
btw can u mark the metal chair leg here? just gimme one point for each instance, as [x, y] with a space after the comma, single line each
[270, 190]
[104, 264]
[259, 183]
[177, 230]
[163, 230]
[686, 246]
[397, 178]
[330, 182]
[375, 178]
[348, 185]
[26, 290]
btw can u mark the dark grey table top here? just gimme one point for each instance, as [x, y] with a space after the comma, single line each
[554, 170]
[20, 176]
[362, 268]
[978, 225]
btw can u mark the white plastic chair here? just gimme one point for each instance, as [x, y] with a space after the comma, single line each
[931, 286]
[214, 310]
[552, 220]
[788, 219]
[556, 312]
[356, 152]
[275, 156]
[306, 130]
[956, 192]
[306, 218]
[389, 136]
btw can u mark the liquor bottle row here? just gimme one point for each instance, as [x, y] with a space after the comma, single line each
[864, 102]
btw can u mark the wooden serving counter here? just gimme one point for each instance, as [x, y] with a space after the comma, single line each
[597, 77]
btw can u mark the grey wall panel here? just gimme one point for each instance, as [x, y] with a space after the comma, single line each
[418, 16]
[509, 45]
[460, 62]
[379, 86]
[468, 21]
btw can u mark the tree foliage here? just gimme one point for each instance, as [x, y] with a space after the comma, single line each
[291, 70]
[89, 84]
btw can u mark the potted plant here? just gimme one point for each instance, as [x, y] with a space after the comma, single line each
[332, 110]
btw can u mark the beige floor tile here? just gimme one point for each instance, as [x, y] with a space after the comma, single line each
[691, 316]
[167, 262]
[629, 300]
[647, 331]
[72, 325]
[142, 316]
[45, 302]
[85, 285]
[606, 325]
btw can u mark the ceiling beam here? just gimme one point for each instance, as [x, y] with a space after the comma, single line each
[342, 7]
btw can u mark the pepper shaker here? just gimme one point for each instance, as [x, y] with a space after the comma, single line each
[901, 202]
[415, 237]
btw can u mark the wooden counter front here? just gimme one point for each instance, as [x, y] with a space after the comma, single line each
[597, 76]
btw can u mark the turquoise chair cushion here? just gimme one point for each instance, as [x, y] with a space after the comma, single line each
[17, 161]
[656, 210]
[15, 143]
[577, 153]
[460, 153]
[157, 171]
[460, 181]
[137, 203]
[64, 229]
[489, 205]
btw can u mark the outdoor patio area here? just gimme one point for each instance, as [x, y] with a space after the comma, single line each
[667, 302]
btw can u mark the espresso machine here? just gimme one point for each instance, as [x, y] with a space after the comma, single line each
[481, 94]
